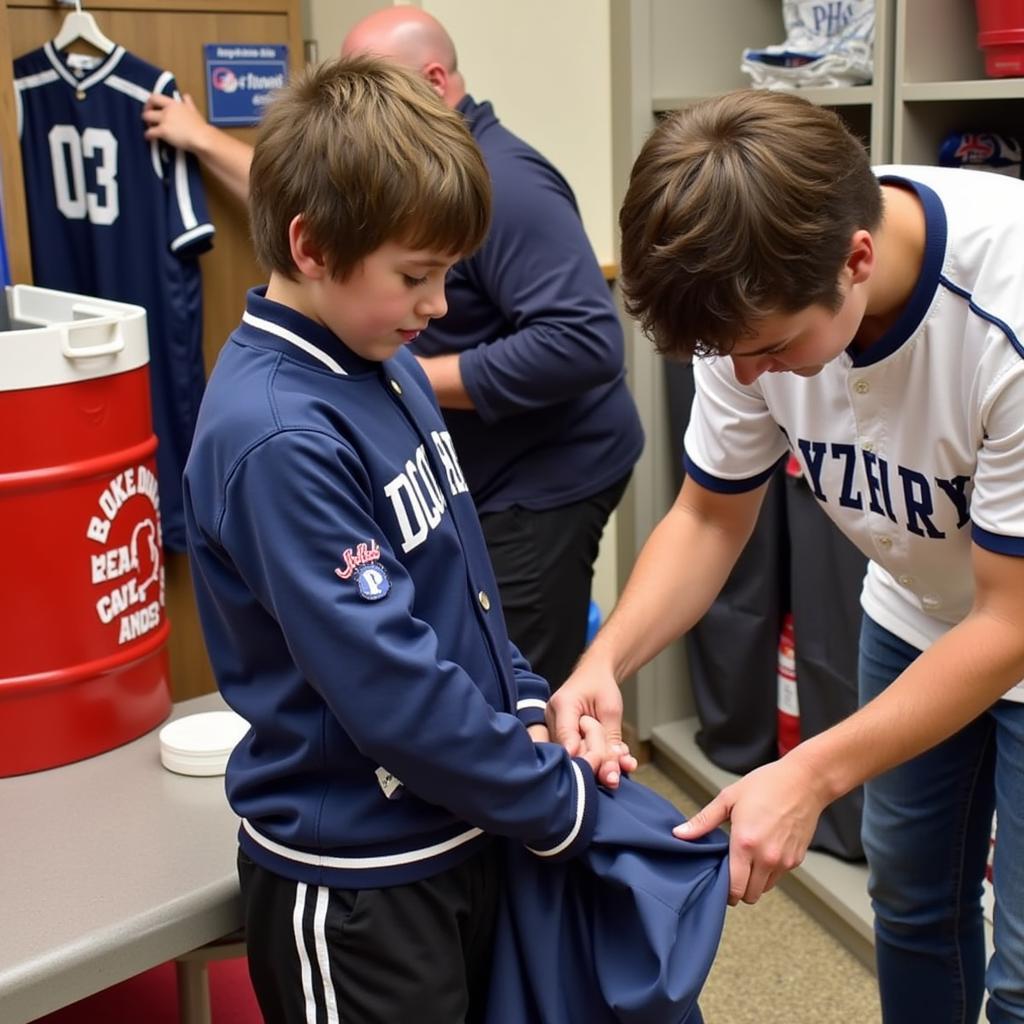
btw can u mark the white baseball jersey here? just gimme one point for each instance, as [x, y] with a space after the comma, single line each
[914, 447]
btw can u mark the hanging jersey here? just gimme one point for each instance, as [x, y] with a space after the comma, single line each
[115, 216]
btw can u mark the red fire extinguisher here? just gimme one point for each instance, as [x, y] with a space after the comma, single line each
[788, 704]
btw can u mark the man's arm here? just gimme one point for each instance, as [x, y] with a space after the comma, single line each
[679, 572]
[446, 379]
[178, 123]
[555, 333]
[775, 808]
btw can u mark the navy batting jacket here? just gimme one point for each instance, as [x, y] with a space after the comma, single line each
[624, 934]
[352, 618]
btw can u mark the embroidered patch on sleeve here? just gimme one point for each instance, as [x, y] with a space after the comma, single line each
[361, 564]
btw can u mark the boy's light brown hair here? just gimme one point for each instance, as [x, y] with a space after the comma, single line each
[368, 153]
[738, 207]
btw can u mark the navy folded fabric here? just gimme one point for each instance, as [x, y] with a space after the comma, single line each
[624, 933]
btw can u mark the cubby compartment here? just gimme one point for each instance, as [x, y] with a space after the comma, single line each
[922, 126]
[697, 47]
[936, 41]
[940, 85]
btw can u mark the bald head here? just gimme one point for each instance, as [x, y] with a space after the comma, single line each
[414, 39]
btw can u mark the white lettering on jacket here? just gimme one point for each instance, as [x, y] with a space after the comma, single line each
[416, 496]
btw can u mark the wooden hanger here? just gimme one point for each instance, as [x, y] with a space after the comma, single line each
[82, 25]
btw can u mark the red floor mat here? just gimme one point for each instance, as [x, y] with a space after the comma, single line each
[152, 998]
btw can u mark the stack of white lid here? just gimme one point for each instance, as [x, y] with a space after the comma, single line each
[200, 744]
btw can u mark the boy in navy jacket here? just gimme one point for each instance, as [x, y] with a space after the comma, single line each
[343, 583]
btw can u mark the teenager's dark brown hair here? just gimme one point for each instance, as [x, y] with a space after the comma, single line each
[741, 206]
[368, 153]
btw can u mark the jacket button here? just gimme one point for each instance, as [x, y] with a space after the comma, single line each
[485, 601]
[395, 386]
[862, 387]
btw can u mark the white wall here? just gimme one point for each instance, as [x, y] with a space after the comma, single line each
[327, 21]
[546, 67]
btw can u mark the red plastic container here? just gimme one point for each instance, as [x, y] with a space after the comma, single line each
[1001, 36]
[83, 659]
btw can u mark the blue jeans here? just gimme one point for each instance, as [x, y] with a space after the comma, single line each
[926, 835]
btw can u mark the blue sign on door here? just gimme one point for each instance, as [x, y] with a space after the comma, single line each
[241, 79]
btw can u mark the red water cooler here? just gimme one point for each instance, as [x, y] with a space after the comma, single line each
[83, 658]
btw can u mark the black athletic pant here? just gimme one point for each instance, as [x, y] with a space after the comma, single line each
[410, 954]
[544, 563]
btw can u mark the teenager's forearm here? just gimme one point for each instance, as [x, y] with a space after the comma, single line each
[947, 687]
[226, 158]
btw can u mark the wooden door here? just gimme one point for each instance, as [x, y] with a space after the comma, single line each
[15, 221]
[171, 34]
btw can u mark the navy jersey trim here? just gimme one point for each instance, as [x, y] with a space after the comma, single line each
[189, 220]
[136, 92]
[984, 314]
[101, 72]
[40, 78]
[936, 231]
[720, 486]
[185, 240]
[996, 542]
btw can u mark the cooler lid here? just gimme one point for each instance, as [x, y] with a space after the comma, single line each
[54, 337]
[200, 744]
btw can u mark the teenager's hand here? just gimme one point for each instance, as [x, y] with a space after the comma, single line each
[774, 810]
[177, 123]
[539, 733]
[588, 695]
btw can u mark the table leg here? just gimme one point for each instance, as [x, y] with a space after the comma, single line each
[193, 992]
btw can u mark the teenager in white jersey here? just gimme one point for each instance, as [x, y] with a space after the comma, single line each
[871, 323]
